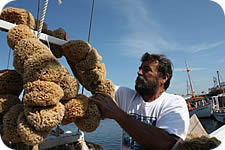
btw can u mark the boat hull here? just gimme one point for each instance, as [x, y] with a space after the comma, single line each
[203, 111]
[219, 116]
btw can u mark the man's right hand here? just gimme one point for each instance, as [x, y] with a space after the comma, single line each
[108, 106]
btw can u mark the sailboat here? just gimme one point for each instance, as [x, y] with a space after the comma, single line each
[199, 105]
[219, 103]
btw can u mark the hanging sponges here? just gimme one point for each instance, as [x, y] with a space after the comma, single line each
[44, 118]
[10, 124]
[24, 49]
[18, 33]
[76, 50]
[70, 87]
[18, 16]
[91, 120]
[7, 101]
[85, 64]
[43, 67]
[76, 107]
[42, 93]
[11, 82]
[28, 134]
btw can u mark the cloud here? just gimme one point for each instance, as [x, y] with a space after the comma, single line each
[205, 46]
[144, 32]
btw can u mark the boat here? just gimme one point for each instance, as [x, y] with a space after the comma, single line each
[218, 102]
[199, 105]
[219, 107]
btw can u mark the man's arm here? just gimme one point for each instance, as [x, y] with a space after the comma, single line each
[146, 135]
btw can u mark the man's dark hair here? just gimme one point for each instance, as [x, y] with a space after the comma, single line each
[164, 66]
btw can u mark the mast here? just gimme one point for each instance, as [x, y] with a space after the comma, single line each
[218, 76]
[187, 87]
[189, 77]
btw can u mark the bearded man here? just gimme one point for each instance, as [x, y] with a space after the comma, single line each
[150, 117]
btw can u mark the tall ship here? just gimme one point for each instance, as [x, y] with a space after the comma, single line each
[199, 105]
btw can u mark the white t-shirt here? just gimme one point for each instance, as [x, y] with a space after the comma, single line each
[168, 112]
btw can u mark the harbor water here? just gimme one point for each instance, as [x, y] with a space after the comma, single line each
[108, 134]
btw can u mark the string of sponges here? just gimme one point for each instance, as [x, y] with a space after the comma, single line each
[44, 83]
[84, 61]
[11, 85]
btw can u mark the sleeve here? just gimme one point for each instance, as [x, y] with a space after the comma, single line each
[123, 96]
[174, 118]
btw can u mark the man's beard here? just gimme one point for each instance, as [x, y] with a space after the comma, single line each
[144, 87]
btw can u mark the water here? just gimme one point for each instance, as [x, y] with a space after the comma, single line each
[108, 134]
[210, 124]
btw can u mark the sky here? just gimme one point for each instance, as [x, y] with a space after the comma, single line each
[123, 30]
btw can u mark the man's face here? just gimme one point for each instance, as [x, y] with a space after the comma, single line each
[147, 82]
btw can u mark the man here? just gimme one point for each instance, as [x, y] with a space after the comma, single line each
[150, 117]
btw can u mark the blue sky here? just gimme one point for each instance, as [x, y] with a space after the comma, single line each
[122, 30]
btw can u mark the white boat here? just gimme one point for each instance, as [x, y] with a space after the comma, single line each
[219, 134]
[219, 107]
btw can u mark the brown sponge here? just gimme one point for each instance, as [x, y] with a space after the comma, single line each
[28, 134]
[43, 67]
[7, 101]
[18, 16]
[94, 76]
[57, 50]
[26, 48]
[105, 87]
[11, 82]
[90, 62]
[44, 118]
[76, 50]
[76, 107]
[42, 93]
[10, 124]
[18, 33]
[91, 120]
[70, 86]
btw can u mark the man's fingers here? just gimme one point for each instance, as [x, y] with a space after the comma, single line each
[96, 101]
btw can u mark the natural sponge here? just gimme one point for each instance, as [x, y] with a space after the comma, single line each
[28, 134]
[44, 118]
[7, 101]
[104, 87]
[18, 33]
[11, 82]
[57, 50]
[10, 124]
[76, 107]
[70, 87]
[90, 62]
[26, 48]
[91, 119]
[18, 16]
[94, 76]
[42, 93]
[76, 50]
[43, 67]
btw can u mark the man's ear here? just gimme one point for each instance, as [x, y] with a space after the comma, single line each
[165, 78]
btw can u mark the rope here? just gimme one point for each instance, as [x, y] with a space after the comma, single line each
[42, 17]
[89, 32]
[9, 54]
